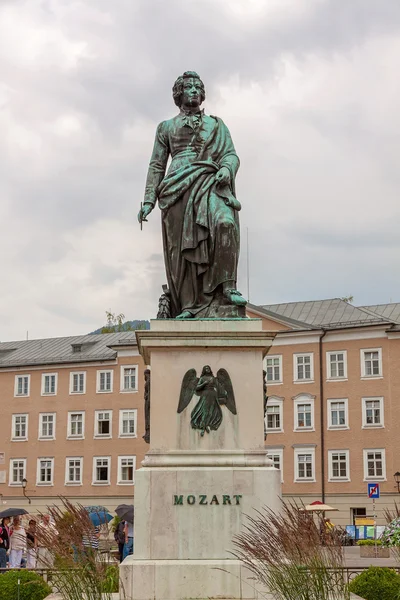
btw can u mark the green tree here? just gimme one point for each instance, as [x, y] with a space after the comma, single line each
[348, 299]
[116, 323]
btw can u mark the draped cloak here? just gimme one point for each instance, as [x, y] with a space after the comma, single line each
[200, 232]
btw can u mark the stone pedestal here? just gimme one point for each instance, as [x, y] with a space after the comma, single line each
[193, 491]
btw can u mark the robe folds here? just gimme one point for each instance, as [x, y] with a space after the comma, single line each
[200, 232]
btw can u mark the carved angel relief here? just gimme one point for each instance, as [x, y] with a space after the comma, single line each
[213, 392]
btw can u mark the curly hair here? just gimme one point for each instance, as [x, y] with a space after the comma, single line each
[177, 90]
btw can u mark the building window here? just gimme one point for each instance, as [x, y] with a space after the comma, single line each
[274, 414]
[47, 426]
[304, 464]
[127, 423]
[336, 364]
[22, 383]
[77, 383]
[339, 469]
[276, 455]
[303, 367]
[102, 423]
[76, 425]
[19, 428]
[273, 368]
[101, 470]
[17, 470]
[338, 414]
[373, 412]
[49, 384]
[304, 413]
[45, 471]
[358, 513]
[374, 464]
[126, 469]
[73, 470]
[371, 362]
[129, 378]
[104, 381]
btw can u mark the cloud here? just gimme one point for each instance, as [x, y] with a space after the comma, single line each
[309, 92]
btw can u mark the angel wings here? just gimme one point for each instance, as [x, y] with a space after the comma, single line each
[213, 392]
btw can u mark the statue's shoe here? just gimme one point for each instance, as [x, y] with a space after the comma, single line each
[185, 315]
[235, 297]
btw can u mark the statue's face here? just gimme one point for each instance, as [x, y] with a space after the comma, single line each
[207, 370]
[191, 96]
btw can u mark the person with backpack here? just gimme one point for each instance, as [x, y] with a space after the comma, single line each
[119, 537]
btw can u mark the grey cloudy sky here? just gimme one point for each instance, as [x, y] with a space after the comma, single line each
[310, 91]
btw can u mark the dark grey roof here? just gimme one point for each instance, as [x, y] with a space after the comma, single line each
[390, 312]
[274, 315]
[60, 350]
[325, 313]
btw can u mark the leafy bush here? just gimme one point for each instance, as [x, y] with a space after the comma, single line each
[111, 580]
[369, 543]
[377, 583]
[32, 586]
[391, 535]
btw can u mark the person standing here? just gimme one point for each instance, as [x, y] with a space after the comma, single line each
[4, 542]
[119, 537]
[31, 543]
[17, 543]
[128, 546]
[46, 531]
[91, 541]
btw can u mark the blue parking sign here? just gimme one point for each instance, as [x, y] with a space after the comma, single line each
[373, 490]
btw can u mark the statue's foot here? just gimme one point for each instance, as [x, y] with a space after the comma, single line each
[235, 297]
[185, 314]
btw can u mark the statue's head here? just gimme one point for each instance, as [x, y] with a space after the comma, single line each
[188, 90]
[206, 370]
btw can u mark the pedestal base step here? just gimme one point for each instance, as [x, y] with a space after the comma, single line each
[183, 579]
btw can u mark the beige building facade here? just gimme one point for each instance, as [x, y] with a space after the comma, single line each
[72, 420]
[333, 411]
[73, 414]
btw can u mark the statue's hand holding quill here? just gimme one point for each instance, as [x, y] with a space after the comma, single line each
[145, 210]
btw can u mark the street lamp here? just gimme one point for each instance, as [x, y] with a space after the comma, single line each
[25, 481]
[397, 480]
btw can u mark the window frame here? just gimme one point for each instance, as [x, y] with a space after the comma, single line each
[122, 379]
[331, 477]
[44, 375]
[297, 453]
[120, 423]
[45, 483]
[20, 375]
[365, 464]
[329, 376]
[331, 401]
[277, 452]
[295, 372]
[304, 399]
[362, 357]
[12, 483]
[41, 437]
[96, 434]
[73, 483]
[364, 401]
[71, 383]
[14, 438]
[98, 376]
[71, 436]
[101, 483]
[119, 473]
[274, 401]
[274, 381]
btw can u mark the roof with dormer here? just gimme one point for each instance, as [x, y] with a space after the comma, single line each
[78, 348]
